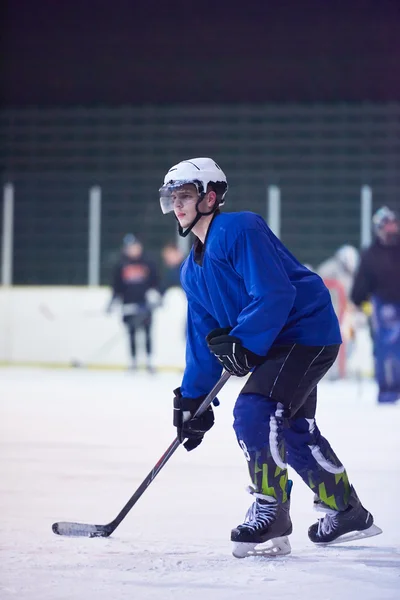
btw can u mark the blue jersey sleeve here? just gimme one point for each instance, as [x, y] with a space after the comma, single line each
[202, 369]
[255, 258]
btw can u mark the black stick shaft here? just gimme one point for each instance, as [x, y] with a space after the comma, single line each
[165, 457]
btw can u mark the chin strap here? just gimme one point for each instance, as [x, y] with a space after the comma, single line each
[185, 232]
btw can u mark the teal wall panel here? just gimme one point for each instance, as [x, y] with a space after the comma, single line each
[319, 156]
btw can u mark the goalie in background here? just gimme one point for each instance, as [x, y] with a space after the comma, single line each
[378, 281]
[341, 268]
[135, 286]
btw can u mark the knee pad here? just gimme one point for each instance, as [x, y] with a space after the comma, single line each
[258, 426]
[306, 446]
[252, 419]
[303, 433]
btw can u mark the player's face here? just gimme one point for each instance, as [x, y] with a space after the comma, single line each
[134, 250]
[184, 200]
[390, 233]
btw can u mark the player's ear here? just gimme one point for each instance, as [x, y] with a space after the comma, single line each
[211, 198]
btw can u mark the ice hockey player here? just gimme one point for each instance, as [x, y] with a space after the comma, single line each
[252, 307]
[378, 280]
[135, 284]
[172, 258]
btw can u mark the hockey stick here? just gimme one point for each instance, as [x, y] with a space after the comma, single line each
[105, 347]
[88, 530]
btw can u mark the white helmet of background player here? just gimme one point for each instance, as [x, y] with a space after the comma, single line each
[348, 257]
[204, 174]
[386, 226]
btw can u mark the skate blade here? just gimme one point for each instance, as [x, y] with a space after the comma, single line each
[279, 546]
[353, 535]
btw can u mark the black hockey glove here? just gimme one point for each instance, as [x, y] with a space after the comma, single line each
[231, 353]
[186, 426]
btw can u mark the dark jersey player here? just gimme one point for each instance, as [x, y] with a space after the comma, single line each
[135, 284]
[378, 280]
[252, 307]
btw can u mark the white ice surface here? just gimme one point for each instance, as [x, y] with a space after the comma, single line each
[75, 445]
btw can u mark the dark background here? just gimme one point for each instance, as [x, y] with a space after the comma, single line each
[130, 52]
[304, 95]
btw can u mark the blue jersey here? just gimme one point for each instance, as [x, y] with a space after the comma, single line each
[245, 278]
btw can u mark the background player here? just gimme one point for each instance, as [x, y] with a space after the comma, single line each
[135, 284]
[378, 280]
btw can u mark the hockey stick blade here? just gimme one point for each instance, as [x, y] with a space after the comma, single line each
[87, 530]
[81, 529]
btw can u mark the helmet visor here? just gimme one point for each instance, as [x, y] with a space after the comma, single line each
[166, 200]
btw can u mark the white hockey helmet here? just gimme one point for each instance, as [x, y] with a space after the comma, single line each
[349, 257]
[197, 171]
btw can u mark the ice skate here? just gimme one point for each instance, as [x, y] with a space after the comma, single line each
[133, 366]
[266, 521]
[150, 367]
[335, 527]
